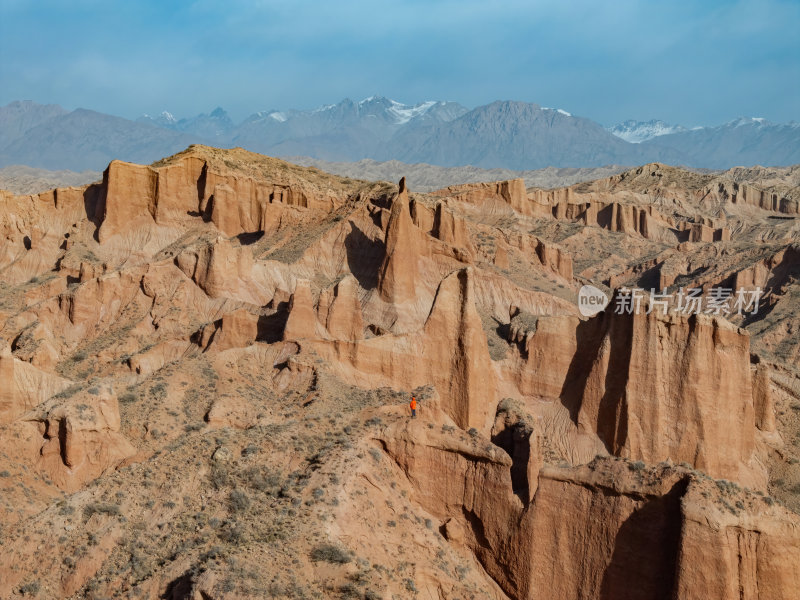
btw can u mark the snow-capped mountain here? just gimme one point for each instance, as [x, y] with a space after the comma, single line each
[742, 141]
[165, 119]
[213, 126]
[347, 130]
[518, 135]
[636, 132]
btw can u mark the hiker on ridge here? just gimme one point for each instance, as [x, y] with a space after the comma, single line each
[413, 406]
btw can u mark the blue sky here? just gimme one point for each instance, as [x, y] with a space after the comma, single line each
[689, 62]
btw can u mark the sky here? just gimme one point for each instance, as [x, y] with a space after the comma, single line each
[700, 62]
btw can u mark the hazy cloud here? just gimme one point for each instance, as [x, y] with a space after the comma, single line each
[688, 62]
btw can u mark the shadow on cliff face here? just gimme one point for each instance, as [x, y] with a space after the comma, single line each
[514, 439]
[94, 203]
[643, 564]
[780, 278]
[612, 421]
[616, 331]
[364, 257]
[589, 335]
[270, 327]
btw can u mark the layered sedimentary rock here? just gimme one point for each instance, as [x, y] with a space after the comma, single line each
[465, 383]
[755, 546]
[81, 438]
[511, 192]
[302, 321]
[451, 229]
[659, 387]
[397, 279]
[8, 395]
[547, 347]
[339, 309]
[196, 184]
[266, 326]
[649, 386]
[737, 193]
[238, 329]
[222, 270]
[450, 353]
[642, 531]
[763, 405]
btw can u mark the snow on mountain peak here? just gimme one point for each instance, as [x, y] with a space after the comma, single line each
[558, 110]
[404, 113]
[636, 132]
[741, 121]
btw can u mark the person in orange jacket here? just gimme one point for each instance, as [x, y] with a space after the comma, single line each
[413, 407]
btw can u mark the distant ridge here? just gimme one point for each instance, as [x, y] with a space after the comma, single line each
[513, 135]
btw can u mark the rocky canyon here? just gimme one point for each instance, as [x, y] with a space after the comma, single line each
[206, 365]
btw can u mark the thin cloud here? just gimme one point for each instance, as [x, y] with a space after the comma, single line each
[680, 61]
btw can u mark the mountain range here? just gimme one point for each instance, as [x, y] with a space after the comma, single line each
[503, 134]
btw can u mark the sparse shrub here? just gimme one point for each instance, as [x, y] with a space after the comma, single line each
[232, 533]
[330, 554]
[30, 589]
[220, 477]
[473, 432]
[239, 500]
[636, 466]
[250, 450]
[128, 398]
[102, 508]
[349, 590]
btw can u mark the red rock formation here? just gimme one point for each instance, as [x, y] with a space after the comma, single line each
[397, 279]
[763, 405]
[340, 310]
[238, 329]
[81, 438]
[302, 321]
[701, 233]
[511, 192]
[462, 378]
[450, 352]
[193, 183]
[131, 192]
[547, 347]
[9, 405]
[554, 259]
[756, 546]
[610, 529]
[222, 271]
[451, 230]
[672, 387]
[737, 193]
